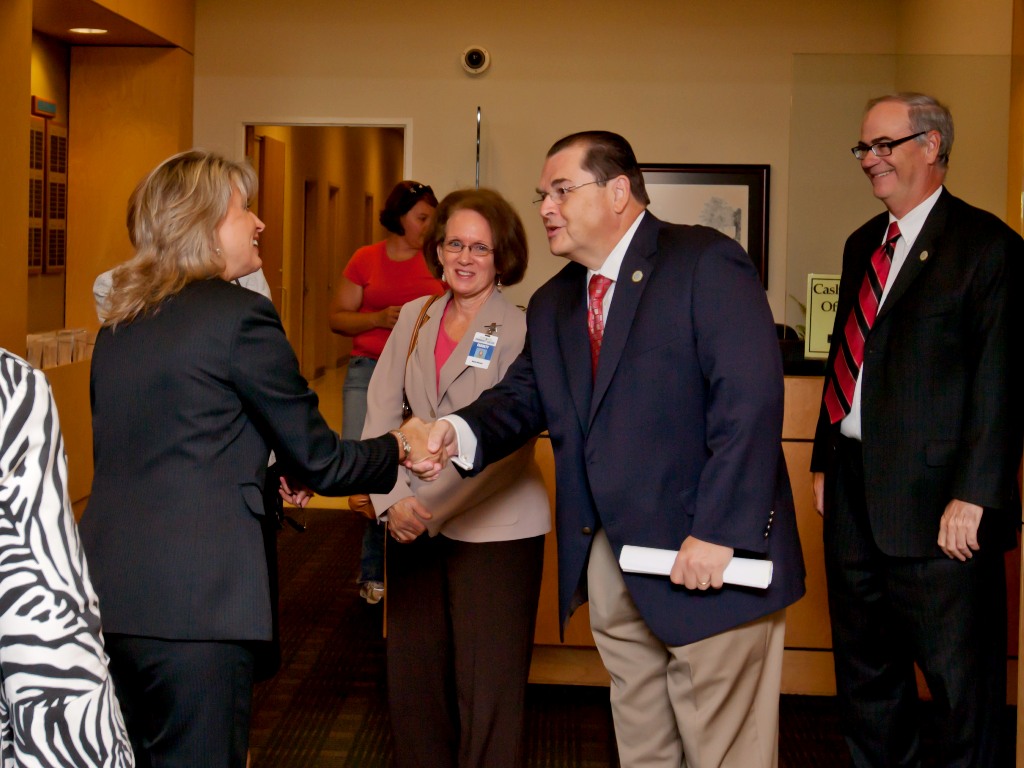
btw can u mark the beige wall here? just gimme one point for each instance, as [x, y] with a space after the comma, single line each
[952, 26]
[684, 82]
[829, 196]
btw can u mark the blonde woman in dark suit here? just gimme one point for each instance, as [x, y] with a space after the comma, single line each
[465, 563]
[193, 384]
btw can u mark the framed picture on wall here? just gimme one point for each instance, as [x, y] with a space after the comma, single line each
[730, 198]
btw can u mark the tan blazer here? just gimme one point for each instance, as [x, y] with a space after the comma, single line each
[506, 501]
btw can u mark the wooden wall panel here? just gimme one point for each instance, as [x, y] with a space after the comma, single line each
[130, 109]
[808, 661]
[578, 631]
[271, 212]
[806, 621]
[15, 74]
[174, 21]
[807, 666]
[70, 385]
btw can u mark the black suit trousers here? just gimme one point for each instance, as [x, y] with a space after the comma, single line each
[888, 613]
[186, 704]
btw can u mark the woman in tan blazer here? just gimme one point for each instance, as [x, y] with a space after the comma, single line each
[464, 566]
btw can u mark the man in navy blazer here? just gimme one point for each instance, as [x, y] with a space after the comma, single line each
[672, 440]
[916, 466]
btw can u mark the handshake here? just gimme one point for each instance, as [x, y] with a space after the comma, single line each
[431, 445]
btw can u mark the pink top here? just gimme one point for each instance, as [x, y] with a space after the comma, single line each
[386, 283]
[443, 348]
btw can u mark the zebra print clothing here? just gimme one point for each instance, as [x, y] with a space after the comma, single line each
[57, 702]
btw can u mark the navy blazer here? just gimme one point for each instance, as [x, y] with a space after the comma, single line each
[679, 434]
[187, 403]
[941, 408]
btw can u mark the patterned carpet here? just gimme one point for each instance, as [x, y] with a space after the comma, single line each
[327, 706]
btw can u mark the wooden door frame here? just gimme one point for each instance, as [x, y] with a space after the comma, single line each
[292, 311]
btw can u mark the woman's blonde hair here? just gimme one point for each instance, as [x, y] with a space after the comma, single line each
[172, 220]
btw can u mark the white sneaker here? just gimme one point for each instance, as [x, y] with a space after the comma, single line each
[372, 591]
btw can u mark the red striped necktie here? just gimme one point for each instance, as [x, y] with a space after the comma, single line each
[596, 290]
[846, 366]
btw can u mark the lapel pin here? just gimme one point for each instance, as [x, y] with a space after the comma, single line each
[491, 328]
[638, 276]
[923, 256]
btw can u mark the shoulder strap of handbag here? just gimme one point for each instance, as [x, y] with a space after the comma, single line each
[419, 323]
[406, 408]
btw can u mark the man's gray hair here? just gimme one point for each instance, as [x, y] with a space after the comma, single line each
[926, 114]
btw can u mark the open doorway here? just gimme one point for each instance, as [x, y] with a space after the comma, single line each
[320, 188]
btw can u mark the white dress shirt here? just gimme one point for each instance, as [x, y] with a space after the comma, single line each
[610, 269]
[910, 228]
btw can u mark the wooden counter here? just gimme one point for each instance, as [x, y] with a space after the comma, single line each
[807, 666]
[70, 386]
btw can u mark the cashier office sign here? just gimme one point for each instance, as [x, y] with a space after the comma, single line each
[822, 296]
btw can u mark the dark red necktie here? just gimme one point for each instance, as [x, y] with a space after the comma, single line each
[597, 288]
[846, 366]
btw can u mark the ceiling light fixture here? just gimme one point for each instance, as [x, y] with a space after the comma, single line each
[87, 31]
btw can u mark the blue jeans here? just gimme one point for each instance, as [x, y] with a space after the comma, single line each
[353, 414]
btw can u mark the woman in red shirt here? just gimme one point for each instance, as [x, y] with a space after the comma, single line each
[374, 285]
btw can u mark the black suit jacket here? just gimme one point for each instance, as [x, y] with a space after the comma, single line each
[680, 433]
[187, 403]
[941, 412]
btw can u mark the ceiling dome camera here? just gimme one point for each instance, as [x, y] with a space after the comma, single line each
[476, 59]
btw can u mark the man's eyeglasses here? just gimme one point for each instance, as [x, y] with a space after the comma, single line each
[475, 249]
[558, 194]
[882, 148]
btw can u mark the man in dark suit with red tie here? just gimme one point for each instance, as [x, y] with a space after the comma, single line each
[651, 359]
[917, 448]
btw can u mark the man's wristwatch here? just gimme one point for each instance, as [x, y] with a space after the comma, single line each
[404, 442]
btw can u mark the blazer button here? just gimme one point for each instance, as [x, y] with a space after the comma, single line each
[432, 414]
[587, 530]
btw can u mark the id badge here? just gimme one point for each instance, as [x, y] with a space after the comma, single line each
[482, 351]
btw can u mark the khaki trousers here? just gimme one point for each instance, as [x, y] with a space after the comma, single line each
[710, 704]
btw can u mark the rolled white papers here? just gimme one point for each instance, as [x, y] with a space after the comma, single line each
[740, 572]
